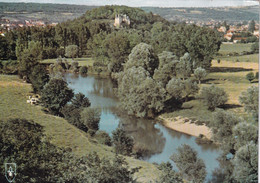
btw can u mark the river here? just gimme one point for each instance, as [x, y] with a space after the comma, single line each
[157, 141]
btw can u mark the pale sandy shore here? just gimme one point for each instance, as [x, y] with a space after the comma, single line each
[178, 124]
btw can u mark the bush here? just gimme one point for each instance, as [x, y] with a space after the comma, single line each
[250, 76]
[103, 138]
[256, 75]
[55, 95]
[213, 96]
[90, 118]
[83, 70]
[123, 143]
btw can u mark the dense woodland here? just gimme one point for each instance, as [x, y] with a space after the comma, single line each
[151, 61]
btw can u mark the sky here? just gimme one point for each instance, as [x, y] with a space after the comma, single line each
[156, 3]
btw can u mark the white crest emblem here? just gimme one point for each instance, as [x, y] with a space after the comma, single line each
[10, 171]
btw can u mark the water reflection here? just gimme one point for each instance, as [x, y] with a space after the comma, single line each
[154, 140]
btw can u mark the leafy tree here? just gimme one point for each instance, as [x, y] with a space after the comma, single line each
[175, 88]
[167, 67]
[26, 62]
[38, 77]
[71, 51]
[83, 70]
[103, 138]
[24, 143]
[184, 67]
[251, 26]
[189, 165]
[244, 133]
[72, 115]
[123, 143]
[74, 66]
[213, 96]
[168, 175]
[55, 95]
[118, 48]
[106, 171]
[90, 118]
[250, 76]
[200, 42]
[142, 55]
[250, 101]
[246, 163]
[139, 94]
[200, 74]
[80, 101]
[189, 88]
[222, 129]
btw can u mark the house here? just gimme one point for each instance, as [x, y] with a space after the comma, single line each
[238, 39]
[256, 33]
[222, 29]
[229, 35]
[120, 19]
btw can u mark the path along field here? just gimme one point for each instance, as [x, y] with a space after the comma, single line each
[13, 96]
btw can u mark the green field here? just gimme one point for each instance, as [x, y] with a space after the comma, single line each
[82, 61]
[227, 75]
[239, 48]
[13, 96]
[243, 58]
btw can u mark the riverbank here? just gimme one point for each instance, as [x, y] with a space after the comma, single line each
[186, 126]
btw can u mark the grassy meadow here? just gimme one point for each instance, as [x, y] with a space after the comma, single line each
[81, 61]
[13, 96]
[229, 75]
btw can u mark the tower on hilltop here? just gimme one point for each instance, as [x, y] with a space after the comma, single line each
[121, 19]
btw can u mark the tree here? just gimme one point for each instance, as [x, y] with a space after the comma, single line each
[251, 26]
[38, 77]
[250, 101]
[250, 76]
[90, 118]
[142, 55]
[106, 171]
[83, 70]
[175, 88]
[26, 62]
[24, 143]
[167, 67]
[168, 174]
[244, 133]
[55, 95]
[139, 94]
[80, 101]
[213, 96]
[189, 165]
[189, 88]
[184, 67]
[71, 51]
[200, 74]
[222, 128]
[123, 143]
[246, 163]
[103, 138]
[118, 48]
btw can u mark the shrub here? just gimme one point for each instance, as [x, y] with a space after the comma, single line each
[123, 143]
[200, 74]
[213, 96]
[103, 138]
[250, 76]
[83, 70]
[256, 75]
[90, 118]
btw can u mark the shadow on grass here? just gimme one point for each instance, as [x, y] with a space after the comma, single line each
[230, 106]
[228, 69]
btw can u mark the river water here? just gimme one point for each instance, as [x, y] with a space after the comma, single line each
[158, 141]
